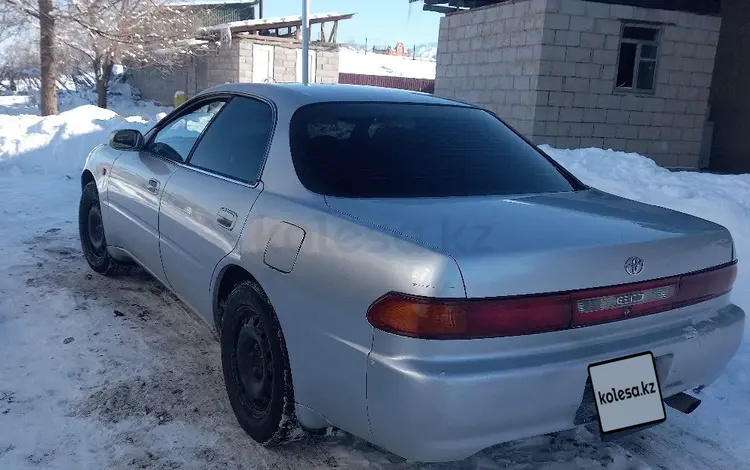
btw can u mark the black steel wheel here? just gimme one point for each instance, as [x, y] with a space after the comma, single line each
[91, 233]
[256, 367]
[95, 227]
[253, 363]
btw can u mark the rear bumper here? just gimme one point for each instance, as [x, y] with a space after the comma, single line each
[438, 401]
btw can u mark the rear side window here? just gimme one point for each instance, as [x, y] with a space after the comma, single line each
[235, 143]
[395, 150]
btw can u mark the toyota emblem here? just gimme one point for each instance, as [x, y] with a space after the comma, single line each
[634, 266]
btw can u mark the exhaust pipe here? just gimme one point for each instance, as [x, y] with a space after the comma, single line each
[683, 403]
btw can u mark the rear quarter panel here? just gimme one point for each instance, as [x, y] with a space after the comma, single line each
[341, 269]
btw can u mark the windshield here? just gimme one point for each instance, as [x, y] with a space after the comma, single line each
[392, 150]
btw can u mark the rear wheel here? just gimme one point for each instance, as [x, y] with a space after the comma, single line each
[256, 367]
[91, 233]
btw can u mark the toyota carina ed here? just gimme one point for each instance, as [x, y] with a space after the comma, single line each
[409, 269]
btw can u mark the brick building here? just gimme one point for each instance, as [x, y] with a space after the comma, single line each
[618, 74]
[400, 50]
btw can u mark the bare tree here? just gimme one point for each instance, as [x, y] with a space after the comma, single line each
[12, 22]
[19, 66]
[43, 11]
[47, 58]
[137, 32]
[103, 33]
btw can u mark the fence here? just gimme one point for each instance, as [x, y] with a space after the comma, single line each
[404, 83]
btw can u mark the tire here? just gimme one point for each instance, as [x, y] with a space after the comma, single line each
[91, 233]
[256, 367]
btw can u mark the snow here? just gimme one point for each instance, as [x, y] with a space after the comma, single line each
[59, 144]
[115, 373]
[357, 61]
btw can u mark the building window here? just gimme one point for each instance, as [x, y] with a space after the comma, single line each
[636, 69]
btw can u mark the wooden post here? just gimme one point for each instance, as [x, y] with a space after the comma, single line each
[323, 32]
[335, 31]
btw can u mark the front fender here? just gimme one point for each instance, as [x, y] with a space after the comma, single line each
[97, 166]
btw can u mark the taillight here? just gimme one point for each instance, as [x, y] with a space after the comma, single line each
[705, 285]
[429, 318]
[462, 319]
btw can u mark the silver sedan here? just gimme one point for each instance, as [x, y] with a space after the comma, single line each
[410, 269]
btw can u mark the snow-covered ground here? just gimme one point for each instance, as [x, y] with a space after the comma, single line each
[113, 374]
[357, 61]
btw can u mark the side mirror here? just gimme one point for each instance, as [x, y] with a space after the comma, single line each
[126, 139]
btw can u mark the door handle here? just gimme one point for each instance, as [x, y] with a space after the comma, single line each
[226, 218]
[153, 186]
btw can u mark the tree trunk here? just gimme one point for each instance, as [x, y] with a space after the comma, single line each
[102, 81]
[47, 56]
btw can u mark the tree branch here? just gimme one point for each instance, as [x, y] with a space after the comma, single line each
[20, 6]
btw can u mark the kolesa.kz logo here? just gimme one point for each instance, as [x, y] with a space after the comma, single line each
[646, 388]
[627, 392]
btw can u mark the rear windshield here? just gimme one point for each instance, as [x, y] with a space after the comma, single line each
[392, 150]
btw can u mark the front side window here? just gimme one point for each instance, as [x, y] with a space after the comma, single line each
[177, 139]
[235, 143]
[398, 150]
[639, 47]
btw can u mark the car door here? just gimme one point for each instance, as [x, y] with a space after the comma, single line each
[137, 180]
[207, 201]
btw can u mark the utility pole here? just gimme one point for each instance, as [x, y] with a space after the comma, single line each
[306, 42]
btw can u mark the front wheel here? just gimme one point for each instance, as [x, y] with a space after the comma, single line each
[256, 368]
[91, 233]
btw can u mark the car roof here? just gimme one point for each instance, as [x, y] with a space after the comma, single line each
[319, 93]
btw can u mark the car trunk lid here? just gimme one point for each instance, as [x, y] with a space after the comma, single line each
[547, 243]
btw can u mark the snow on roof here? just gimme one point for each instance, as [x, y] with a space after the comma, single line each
[353, 61]
[187, 3]
[278, 22]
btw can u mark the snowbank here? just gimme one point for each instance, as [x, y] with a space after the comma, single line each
[724, 199]
[59, 144]
[354, 61]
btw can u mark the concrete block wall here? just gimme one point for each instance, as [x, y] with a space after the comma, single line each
[223, 66]
[192, 78]
[230, 65]
[548, 68]
[245, 61]
[327, 66]
[159, 85]
[285, 64]
[578, 105]
[491, 57]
